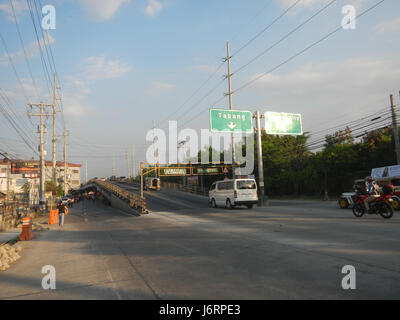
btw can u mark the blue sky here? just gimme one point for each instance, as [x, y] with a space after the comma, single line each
[122, 64]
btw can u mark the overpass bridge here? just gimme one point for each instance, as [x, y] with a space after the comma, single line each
[119, 198]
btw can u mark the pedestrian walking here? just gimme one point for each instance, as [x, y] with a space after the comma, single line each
[61, 213]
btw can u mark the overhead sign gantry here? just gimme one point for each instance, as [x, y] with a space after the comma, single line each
[181, 170]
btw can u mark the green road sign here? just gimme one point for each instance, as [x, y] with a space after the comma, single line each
[283, 123]
[208, 170]
[237, 121]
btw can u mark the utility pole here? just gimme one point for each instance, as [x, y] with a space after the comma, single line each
[41, 146]
[260, 161]
[8, 177]
[113, 168]
[127, 163]
[65, 160]
[228, 76]
[54, 140]
[154, 149]
[395, 129]
[133, 162]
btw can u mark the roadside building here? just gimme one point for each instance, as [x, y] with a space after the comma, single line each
[22, 176]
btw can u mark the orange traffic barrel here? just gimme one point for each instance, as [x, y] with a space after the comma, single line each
[27, 233]
[53, 217]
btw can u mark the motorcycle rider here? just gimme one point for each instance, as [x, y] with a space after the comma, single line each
[372, 190]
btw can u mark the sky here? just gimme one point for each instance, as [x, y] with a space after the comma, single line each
[122, 64]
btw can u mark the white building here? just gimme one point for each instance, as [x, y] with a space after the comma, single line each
[15, 174]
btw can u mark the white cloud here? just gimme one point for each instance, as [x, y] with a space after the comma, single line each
[388, 26]
[309, 3]
[78, 88]
[75, 94]
[96, 68]
[102, 9]
[204, 68]
[323, 91]
[20, 6]
[32, 50]
[153, 7]
[157, 88]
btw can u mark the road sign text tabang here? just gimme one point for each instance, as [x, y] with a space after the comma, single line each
[234, 121]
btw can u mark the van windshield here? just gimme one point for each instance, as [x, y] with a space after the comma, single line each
[245, 184]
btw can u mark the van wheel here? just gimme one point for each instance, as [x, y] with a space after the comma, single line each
[229, 204]
[249, 206]
[213, 204]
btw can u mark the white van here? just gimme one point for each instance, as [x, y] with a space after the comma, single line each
[234, 192]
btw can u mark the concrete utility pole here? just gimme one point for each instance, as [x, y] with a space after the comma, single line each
[8, 176]
[113, 168]
[65, 161]
[41, 146]
[54, 140]
[229, 75]
[260, 161]
[395, 129]
[154, 149]
[127, 163]
[133, 162]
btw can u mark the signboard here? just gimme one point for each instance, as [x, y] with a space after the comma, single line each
[283, 123]
[386, 172]
[235, 121]
[207, 170]
[20, 167]
[174, 171]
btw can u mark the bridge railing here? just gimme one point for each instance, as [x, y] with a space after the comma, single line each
[135, 200]
[185, 188]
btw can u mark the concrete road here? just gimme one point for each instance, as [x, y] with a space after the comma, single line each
[185, 250]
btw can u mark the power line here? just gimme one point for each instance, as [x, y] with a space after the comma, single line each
[13, 67]
[285, 36]
[24, 50]
[305, 49]
[220, 66]
[267, 27]
[44, 65]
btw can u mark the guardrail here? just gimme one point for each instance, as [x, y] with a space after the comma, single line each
[135, 200]
[180, 187]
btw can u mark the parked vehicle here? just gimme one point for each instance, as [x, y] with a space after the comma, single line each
[234, 192]
[381, 205]
[151, 183]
